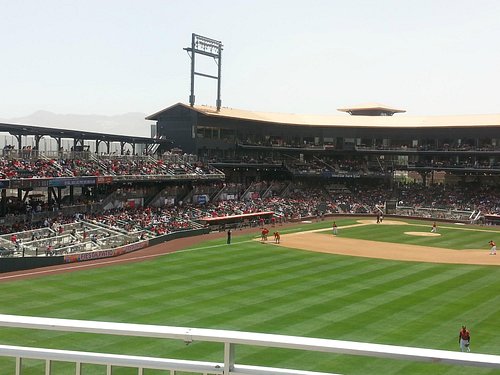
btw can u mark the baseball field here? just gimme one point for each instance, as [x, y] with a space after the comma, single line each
[391, 283]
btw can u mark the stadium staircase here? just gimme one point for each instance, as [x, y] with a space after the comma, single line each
[475, 216]
[103, 167]
[247, 191]
[109, 199]
[268, 192]
[53, 162]
[165, 168]
[286, 190]
[329, 166]
[189, 196]
[158, 191]
[217, 194]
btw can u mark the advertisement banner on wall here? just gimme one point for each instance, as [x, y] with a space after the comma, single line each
[81, 181]
[201, 199]
[99, 254]
[101, 180]
[29, 183]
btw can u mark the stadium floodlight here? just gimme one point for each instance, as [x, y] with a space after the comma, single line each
[207, 47]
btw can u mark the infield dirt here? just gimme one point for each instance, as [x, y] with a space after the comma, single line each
[324, 241]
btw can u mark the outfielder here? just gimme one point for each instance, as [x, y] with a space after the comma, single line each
[464, 339]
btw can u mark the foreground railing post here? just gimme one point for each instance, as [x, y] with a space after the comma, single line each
[109, 370]
[19, 365]
[78, 368]
[229, 360]
[48, 367]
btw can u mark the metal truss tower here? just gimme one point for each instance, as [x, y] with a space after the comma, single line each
[207, 47]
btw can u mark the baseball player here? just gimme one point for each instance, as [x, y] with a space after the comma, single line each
[334, 228]
[464, 339]
[493, 248]
[434, 228]
[264, 233]
[277, 237]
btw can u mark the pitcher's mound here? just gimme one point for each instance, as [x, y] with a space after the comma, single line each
[423, 234]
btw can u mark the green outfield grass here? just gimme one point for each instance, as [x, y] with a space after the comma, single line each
[451, 236]
[257, 287]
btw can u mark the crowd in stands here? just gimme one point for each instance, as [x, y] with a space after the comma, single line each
[150, 220]
[30, 164]
[310, 142]
[28, 168]
[15, 168]
[467, 198]
[301, 202]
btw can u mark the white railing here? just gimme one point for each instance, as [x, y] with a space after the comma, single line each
[229, 338]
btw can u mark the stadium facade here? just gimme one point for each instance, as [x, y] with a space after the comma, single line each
[373, 140]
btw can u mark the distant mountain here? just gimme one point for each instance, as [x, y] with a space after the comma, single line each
[132, 123]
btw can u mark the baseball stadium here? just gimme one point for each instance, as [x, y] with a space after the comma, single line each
[240, 242]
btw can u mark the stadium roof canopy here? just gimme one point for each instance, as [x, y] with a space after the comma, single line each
[19, 129]
[487, 120]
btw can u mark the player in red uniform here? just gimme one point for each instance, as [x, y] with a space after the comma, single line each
[464, 339]
[264, 234]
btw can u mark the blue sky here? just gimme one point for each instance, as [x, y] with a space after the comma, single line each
[111, 57]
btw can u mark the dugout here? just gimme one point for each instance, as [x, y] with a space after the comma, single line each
[236, 221]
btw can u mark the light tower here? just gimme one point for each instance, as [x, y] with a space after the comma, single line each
[206, 47]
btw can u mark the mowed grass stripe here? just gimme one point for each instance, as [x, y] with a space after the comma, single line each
[268, 286]
[337, 326]
[351, 304]
[282, 296]
[412, 302]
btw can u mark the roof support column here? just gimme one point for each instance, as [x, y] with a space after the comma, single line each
[19, 141]
[38, 138]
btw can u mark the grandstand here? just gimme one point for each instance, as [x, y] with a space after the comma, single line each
[239, 166]
[373, 142]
